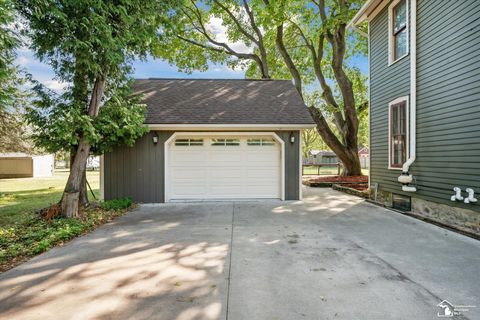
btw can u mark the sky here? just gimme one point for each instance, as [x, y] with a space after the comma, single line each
[156, 68]
[152, 68]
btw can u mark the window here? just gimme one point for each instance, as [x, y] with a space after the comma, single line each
[401, 202]
[398, 133]
[398, 30]
[189, 142]
[225, 142]
[260, 142]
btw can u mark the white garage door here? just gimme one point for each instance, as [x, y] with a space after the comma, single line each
[224, 167]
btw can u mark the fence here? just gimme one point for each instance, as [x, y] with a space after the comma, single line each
[321, 169]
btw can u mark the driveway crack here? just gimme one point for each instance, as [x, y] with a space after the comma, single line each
[230, 260]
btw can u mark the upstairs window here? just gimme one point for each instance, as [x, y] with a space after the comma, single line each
[398, 30]
[398, 133]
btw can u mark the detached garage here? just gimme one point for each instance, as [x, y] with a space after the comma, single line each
[212, 139]
[22, 165]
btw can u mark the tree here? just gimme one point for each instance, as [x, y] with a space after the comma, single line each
[311, 140]
[89, 45]
[13, 132]
[306, 41]
[9, 73]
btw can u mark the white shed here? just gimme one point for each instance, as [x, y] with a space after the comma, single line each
[21, 165]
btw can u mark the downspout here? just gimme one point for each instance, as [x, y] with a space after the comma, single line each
[406, 178]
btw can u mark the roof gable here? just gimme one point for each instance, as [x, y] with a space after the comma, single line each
[221, 101]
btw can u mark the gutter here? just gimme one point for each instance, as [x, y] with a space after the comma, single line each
[406, 178]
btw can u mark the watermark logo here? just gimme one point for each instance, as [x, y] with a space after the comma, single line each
[449, 310]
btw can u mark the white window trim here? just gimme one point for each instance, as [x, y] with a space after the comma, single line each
[407, 126]
[186, 134]
[102, 177]
[391, 43]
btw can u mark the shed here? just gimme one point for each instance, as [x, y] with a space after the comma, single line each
[22, 165]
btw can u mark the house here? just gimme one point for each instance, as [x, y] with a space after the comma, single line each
[364, 156]
[321, 157]
[93, 163]
[22, 165]
[424, 70]
[212, 139]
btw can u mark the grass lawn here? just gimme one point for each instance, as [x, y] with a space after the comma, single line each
[24, 234]
[19, 198]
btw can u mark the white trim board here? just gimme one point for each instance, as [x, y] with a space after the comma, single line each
[391, 49]
[102, 178]
[368, 11]
[183, 134]
[407, 126]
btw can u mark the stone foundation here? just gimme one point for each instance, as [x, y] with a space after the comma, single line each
[383, 197]
[458, 218]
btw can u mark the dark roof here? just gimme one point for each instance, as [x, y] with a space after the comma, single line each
[204, 101]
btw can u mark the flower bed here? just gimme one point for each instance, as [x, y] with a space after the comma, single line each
[355, 182]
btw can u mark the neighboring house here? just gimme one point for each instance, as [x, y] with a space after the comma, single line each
[93, 163]
[364, 156]
[22, 165]
[321, 157]
[424, 65]
[212, 139]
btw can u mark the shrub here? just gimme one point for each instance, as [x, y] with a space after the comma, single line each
[117, 204]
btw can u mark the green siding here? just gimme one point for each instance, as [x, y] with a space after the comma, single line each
[138, 171]
[448, 100]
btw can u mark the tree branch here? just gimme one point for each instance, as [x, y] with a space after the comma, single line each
[297, 80]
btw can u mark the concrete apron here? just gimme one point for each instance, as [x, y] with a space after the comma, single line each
[331, 256]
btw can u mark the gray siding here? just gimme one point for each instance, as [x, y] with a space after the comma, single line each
[448, 100]
[292, 164]
[138, 171]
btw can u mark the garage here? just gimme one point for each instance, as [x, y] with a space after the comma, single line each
[224, 166]
[211, 139]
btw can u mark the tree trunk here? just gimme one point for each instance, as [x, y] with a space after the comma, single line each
[71, 200]
[83, 198]
[351, 163]
[71, 195]
[347, 153]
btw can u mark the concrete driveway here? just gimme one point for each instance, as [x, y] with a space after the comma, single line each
[331, 256]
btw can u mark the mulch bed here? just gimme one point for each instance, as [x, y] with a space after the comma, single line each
[354, 182]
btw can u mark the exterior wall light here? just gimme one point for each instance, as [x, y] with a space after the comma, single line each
[155, 138]
[292, 138]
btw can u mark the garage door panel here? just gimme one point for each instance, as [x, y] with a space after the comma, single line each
[224, 172]
[189, 190]
[223, 191]
[188, 173]
[255, 173]
[228, 155]
[181, 157]
[263, 157]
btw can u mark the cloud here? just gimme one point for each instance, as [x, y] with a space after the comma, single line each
[23, 61]
[215, 26]
[55, 85]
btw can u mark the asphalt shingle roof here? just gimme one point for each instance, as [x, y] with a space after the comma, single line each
[204, 101]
